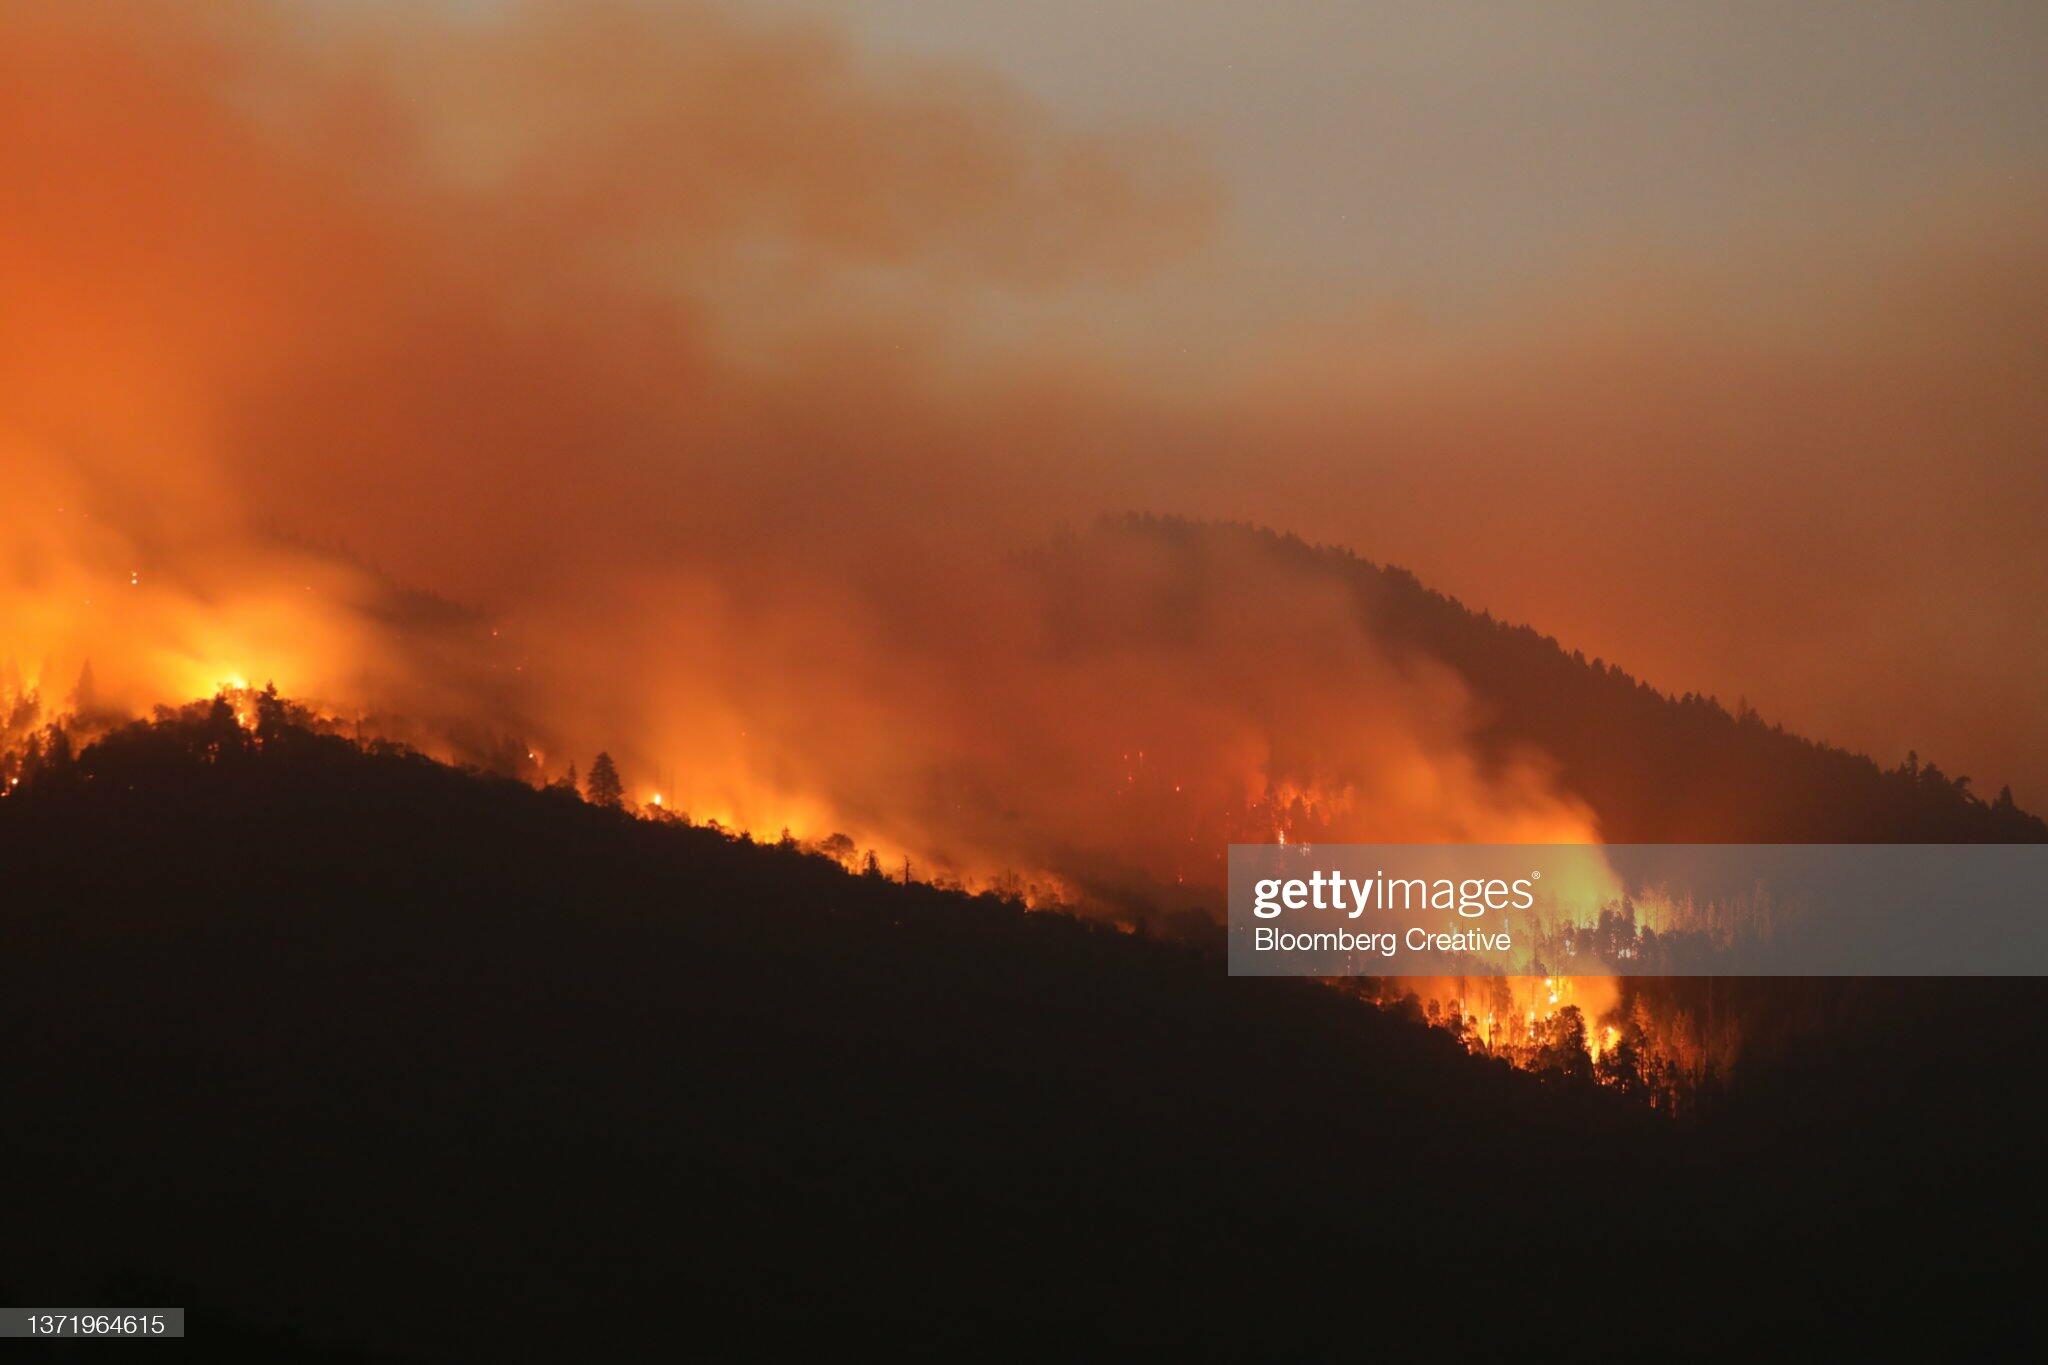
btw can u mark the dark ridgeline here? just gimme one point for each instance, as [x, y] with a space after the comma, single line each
[602, 787]
[357, 1054]
[1655, 769]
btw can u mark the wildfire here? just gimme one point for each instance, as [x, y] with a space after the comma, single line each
[1573, 1025]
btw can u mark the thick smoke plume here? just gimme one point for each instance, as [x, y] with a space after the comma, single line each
[636, 331]
[531, 379]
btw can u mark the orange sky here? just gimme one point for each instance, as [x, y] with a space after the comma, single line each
[724, 364]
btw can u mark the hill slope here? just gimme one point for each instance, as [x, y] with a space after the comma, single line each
[1654, 768]
[352, 1051]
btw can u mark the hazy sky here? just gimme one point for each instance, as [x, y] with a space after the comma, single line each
[697, 344]
[1438, 151]
[1704, 335]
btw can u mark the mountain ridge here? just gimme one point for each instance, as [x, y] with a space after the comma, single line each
[1655, 768]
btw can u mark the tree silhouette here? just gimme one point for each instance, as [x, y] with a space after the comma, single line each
[603, 787]
[858, 990]
[223, 732]
[1654, 768]
[1561, 1045]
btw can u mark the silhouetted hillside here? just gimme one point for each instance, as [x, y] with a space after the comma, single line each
[1655, 769]
[353, 1051]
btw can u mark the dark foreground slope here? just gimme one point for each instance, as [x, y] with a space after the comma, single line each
[353, 1054]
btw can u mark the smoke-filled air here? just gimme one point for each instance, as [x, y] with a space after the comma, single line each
[1200, 678]
[585, 378]
[527, 381]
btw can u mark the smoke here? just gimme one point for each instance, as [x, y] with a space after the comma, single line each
[637, 331]
[531, 379]
[1802, 467]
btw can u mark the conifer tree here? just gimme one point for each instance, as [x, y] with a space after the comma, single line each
[603, 787]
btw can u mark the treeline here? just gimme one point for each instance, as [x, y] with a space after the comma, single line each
[1654, 768]
[296, 1024]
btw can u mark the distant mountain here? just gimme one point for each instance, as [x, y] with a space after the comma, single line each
[360, 1056]
[1654, 768]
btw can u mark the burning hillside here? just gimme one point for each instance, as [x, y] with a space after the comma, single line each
[307, 305]
[649, 380]
[634, 635]
[726, 377]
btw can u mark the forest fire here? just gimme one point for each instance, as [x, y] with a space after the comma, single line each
[385, 413]
[1578, 1027]
[971, 751]
[790, 676]
[474, 429]
[1643, 1037]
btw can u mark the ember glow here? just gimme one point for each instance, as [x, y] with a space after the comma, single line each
[640, 633]
[537, 379]
[319, 327]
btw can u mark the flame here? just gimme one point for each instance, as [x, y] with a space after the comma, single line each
[398, 414]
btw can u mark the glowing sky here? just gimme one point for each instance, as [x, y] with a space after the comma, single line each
[1808, 235]
[691, 340]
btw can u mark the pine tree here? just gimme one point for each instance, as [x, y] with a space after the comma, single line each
[603, 787]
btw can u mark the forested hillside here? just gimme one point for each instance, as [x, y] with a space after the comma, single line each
[352, 1052]
[1655, 768]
